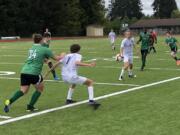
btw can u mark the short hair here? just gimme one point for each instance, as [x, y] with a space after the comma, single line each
[75, 48]
[168, 32]
[37, 38]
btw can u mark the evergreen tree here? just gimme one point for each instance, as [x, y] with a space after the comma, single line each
[164, 8]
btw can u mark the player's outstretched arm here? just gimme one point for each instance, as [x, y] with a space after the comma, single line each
[54, 67]
[79, 63]
[59, 57]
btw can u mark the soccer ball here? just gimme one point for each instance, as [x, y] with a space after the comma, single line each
[119, 58]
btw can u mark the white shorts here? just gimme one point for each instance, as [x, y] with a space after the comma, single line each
[74, 80]
[128, 58]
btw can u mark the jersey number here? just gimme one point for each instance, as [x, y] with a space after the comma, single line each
[69, 58]
[32, 54]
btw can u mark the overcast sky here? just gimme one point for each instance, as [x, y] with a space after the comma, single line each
[147, 9]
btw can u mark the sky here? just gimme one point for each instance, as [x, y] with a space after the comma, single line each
[147, 9]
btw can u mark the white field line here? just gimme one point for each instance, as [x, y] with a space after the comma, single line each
[4, 117]
[85, 101]
[114, 67]
[97, 83]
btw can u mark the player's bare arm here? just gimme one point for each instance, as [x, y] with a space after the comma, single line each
[82, 64]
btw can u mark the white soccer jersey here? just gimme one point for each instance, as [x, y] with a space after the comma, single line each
[69, 67]
[127, 45]
[112, 36]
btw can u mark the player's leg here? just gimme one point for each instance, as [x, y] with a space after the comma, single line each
[89, 84]
[50, 65]
[173, 53]
[130, 68]
[39, 87]
[124, 68]
[24, 88]
[70, 93]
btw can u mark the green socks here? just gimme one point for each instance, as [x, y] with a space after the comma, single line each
[16, 96]
[34, 98]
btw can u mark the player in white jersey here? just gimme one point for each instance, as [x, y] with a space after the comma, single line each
[70, 64]
[126, 51]
[112, 38]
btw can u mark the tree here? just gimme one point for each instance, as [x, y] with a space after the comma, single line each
[175, 14]
[123, 8]
[164, 8]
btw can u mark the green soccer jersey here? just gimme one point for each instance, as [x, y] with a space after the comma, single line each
[46, 44]
[144, 38]
[171, 41]
[35, 60]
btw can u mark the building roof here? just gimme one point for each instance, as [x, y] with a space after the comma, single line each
[151, 23]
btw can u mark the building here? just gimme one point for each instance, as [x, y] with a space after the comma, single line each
[94, 31]
[159, 25]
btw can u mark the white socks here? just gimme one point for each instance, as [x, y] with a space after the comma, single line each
[122, 72]
[70, 93]
[91, 93]
[130, 72]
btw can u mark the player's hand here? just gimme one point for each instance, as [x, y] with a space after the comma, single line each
[93, 64]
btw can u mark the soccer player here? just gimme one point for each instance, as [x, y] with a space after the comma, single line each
[153, 39]
[144, 39]
[47, 32]
[126, 52]
[172, 43]
[112, 38]
[46, 43]
[70, 64]
[31, 73]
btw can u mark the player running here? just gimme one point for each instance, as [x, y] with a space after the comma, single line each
[126, 52]
[144, 39]
[172, 43]
[31, 73]
[70, 64]
[46, 43]
[112, 38]
[152, 41]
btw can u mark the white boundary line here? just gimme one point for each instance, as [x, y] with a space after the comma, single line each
[97, 83]
[85, 101]
[4, 117]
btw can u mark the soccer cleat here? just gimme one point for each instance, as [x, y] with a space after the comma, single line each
[7, 105]
[31, 108]
[68, 101]
[132, 76]
[94, 104]
[56, 78]
[121, 78]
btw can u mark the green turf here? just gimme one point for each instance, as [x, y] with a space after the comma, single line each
[149, 111]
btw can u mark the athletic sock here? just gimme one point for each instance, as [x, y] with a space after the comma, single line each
[50, 65]
[70, 93]
[130, 72]
[34, 98]
[122, 73]
[91, 93]
[16, 96]
[175, 58]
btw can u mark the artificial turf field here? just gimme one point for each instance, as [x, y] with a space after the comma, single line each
[152, 110]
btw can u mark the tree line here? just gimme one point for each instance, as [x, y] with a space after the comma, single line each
[62, 17]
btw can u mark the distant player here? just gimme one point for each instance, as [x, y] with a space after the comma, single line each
[172, 43]
[46, 43]
[31, 73]
[152, 41]
[112, 38]
[144, 39]
[126, 52]
[70, 64]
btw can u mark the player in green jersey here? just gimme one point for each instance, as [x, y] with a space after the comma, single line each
[31, 73]
[144, 39]
[46, 43]
[172, 43]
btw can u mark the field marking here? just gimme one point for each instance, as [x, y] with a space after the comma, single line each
[84, 101]
[168, 69]
[5, 117]
[97, 83]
